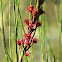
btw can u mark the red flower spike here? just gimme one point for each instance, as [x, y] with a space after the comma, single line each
[27, 53]
[35, 40]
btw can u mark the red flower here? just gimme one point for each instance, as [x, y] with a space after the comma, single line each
[28, 36]
[34, 11]
[25, 42]
[19, 42]
[30, 8]
[35, 40]
[30, 25]
[27, 53]
[27, 21]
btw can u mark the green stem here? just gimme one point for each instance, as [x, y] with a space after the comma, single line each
[48, 43]
[54, 58]
[3, 37]
[16, 25]
[10, 28]
[14, 14]
[46, 57]
[2, 34]
[37, 4]
[21, 20]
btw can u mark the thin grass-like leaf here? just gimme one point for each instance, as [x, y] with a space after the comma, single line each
[10, 28]
[2, 34]
[46, 57]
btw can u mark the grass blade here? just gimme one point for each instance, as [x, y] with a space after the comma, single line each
[2, 34]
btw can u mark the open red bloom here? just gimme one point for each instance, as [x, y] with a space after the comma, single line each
[35, 40]
[28, 36]
[30, 8]
[34, 11]
[30, 25]
[27, 21]
[19, 42]
[27, 53]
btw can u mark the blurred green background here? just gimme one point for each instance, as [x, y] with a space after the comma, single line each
[49, 34]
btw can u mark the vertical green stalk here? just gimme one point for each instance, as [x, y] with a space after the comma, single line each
[10, 28]
[42, 58]
[14, 14]
[59, 41]
[54, 58]
[16, 24]
[42, 37]
[37, 4]
[2, 34]
[17, 37]
[13, 47]
[48, 43]
[61, 23]
[30, 2]
[46, 57]
[16, 28]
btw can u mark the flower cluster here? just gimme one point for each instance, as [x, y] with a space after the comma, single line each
[28, 40]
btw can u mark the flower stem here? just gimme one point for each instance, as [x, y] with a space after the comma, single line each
[46, 57]
[10, 28]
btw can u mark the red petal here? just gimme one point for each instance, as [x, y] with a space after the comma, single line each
[27, 53]
[35, 40]
[19, 42]
[27, 21]
[34, 11]
[23, 40]
[30, 8]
